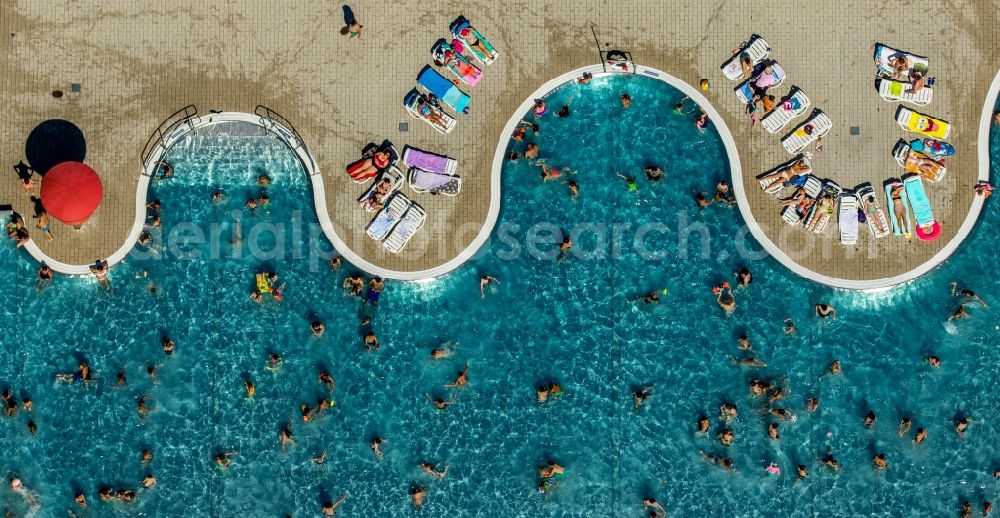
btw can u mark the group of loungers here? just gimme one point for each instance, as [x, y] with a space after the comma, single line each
[398, 218]
[434, 91]
[760, 74]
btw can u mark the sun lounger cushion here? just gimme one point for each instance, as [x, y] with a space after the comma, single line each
[848, 219]
[426, 181]
[924, 124]
[789, 108]
[444, 89]
[927, 228]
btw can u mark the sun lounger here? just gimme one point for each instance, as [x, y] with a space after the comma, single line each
[444, 89]
[923, 124]
[446, 56]
[927, 229]
[434, 183]
[884, 68]
[772, 185]
[466, 33]
[793, 214]
[428, 161]
[818, 218]
[444, 123]
[848, 219]
[755, 48]
[895, 91]
[408, 225]
[356, 169]
[744, 92]
[395, 177]
[793, 105]
[919, 163]
[816, 126]
[897, 228]
[386, 220]
[874, 214]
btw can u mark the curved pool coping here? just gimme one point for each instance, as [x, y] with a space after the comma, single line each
[888, 282]
[323, 215]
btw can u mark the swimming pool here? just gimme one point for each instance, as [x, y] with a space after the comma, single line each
[546, 321]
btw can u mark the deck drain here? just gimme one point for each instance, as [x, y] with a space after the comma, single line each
[404, 127]
[855, 130]
[75, 88]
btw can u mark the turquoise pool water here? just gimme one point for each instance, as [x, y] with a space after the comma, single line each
[567, 322]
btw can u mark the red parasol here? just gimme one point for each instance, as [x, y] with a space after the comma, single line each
[71, 192]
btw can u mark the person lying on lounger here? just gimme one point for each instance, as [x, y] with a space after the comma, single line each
[897, 208]
[796, 198]
[824, 207]
[374, 201]
[469, 35]
[451, 60]
[786, 173]
[371, 166]
[871, 211]
[429, 112]
[924, 165]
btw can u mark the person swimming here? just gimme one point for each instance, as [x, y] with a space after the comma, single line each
[629, 183]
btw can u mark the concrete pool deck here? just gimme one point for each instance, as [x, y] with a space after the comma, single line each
[136, 64]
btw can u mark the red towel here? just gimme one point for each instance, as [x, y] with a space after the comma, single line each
[354, 170]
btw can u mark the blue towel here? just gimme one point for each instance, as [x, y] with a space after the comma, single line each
[444, 89]
[918, 200]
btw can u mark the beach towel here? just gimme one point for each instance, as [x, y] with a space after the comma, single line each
[447, 56]
[928, 228]
[427, 161]
[444, 89]
[896, 228]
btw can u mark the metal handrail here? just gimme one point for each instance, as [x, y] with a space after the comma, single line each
[166, 128]
[294, 140]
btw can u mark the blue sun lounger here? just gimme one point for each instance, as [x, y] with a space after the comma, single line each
[443, 89]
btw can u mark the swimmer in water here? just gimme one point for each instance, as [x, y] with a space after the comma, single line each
[485, 281]
[959, 313]
[828, 460]
[371, 342]
[440, 353]
[725, 298]
[168, 345]
[417, 495]
[145, 457]
[286, 436]
[967, 295]
[376, 447]
[427, 468]
[151, 372]
[743, 343]
[317, 328]
[651, 502]
[330, 508]
[772, 431]
[824, 310]
[462, 378]
[274, 362]
[574, 189]
[629, 183]
[933, 361]
[335, 263]
[250, 388]
[703, 425]
[327, 380]
[224, 459]
[749, 362]
[743, 277]
[702, 199]
[149, 481]
[789, 327]
[904, 426]
[640, 396]
[626, 100]
[921, 435]
[879, 461]
[723, 462]
[727, 412]
[869, 420]
[834, 368]
[801, 472]
[440, 403]
[726, 437]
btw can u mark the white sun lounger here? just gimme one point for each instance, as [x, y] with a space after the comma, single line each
[412, 101]
[848, 219]
[823, 217]
[796, 141]
[395, 177]
[408, 225]
[777, 118]
[773, 186]
[903, 151]
[877, 222]
[745, 93]
[812, 189]
[755, 48]
[895, 91]
[386, 220]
